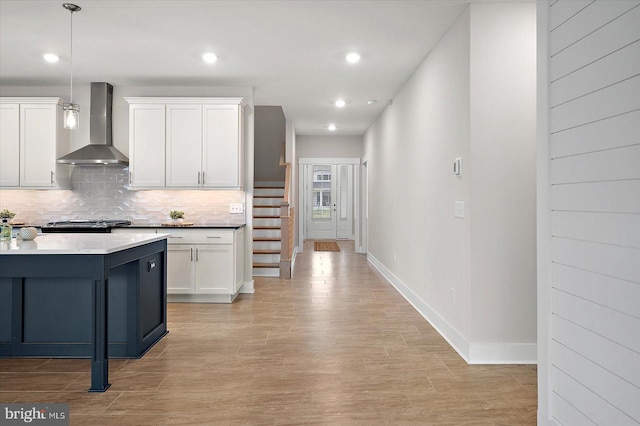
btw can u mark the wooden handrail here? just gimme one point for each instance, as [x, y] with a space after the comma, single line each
[287, 172]
[286, 220]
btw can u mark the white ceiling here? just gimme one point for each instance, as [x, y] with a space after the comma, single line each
[291, 52]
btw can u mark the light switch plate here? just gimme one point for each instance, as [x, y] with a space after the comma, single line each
[458, 209]
[236, 208]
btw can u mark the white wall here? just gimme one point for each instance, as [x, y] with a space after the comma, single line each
[411, 229]
[329, 147]
[270, 125]
[473, 278]
[589, 159]
[503, 172]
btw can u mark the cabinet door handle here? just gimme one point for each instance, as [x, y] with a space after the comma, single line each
[197, 254]
[191, 254]
[203, 178]
[198, 178]
[130, 178]
[52, 180]
[171, 236]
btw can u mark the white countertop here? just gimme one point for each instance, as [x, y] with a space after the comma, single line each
[78, 243]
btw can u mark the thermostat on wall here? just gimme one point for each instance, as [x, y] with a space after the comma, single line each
[457, 166]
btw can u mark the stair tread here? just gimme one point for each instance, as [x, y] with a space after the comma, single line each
[266, 252]
[268, 196]
[268, 187]
[266, 265]
[266, 207]
[268, 227]
[262, 216]
[267, 239]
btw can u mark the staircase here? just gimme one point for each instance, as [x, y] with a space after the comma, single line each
[267, 231]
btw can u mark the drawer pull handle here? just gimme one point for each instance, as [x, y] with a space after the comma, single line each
[212, 237]
[171, 236]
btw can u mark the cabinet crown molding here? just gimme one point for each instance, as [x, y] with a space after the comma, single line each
[185, 100]
[31, 100]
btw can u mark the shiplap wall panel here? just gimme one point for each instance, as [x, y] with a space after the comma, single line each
[596, 45]
[563, 10]
[616, 326]
[578, 405]
[614, 261]
[614, 164]
[603, 352]
[592, 17]
[597, 136]
[606, 228]
[611, 69]
[613, 196]
[614, 293]
[609, 386]
[608, 102]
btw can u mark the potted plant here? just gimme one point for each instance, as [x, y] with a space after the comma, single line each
[5, 230]
[176, 215]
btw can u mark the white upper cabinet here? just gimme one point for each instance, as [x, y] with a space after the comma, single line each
[146, 145]
[202, 147]
[32, 137]
[10, 145]
[184, 145]
[222, 147]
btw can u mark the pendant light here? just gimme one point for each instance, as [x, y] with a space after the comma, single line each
[71, 111]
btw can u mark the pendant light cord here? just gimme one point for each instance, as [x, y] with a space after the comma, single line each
[71, 60]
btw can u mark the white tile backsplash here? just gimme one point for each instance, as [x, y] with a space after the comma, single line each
[99, 192]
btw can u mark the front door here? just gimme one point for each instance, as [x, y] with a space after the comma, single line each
[329, 201]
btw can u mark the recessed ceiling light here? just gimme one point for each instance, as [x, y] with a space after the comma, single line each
[209, 57]
[51, 57]
[332, 127]
[352, 57]
[371, 102]
[340, 103]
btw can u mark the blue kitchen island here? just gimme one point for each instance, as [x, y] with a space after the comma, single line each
[83, 296]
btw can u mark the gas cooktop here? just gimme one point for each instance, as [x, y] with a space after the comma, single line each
[82, 225]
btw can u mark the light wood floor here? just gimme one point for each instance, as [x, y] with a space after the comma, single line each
[335, 345]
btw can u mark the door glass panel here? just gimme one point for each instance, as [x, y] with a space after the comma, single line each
[321, 192]
[343, 190]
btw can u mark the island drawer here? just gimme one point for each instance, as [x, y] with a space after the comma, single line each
[199, 236]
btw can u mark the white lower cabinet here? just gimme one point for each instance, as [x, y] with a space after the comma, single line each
[180, 269]
[203, 265]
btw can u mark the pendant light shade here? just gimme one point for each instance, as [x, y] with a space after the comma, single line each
[71, 114]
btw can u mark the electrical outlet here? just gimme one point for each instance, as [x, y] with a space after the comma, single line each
[453, 296]
[235, 208]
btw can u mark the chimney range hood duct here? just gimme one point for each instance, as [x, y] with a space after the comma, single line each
[100, 150]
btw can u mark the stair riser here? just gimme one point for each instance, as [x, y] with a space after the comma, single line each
[266, 245]
[276, 192]
[273, 211]
[269, 233]
[267, 202]
[266, 272]
[266, 258]
[266, 222]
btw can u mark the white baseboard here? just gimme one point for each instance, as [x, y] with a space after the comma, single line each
[472, 353]
[247, 287]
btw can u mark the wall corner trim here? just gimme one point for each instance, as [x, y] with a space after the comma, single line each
[472, 353]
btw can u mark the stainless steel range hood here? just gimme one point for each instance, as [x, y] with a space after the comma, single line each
[100, 150]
